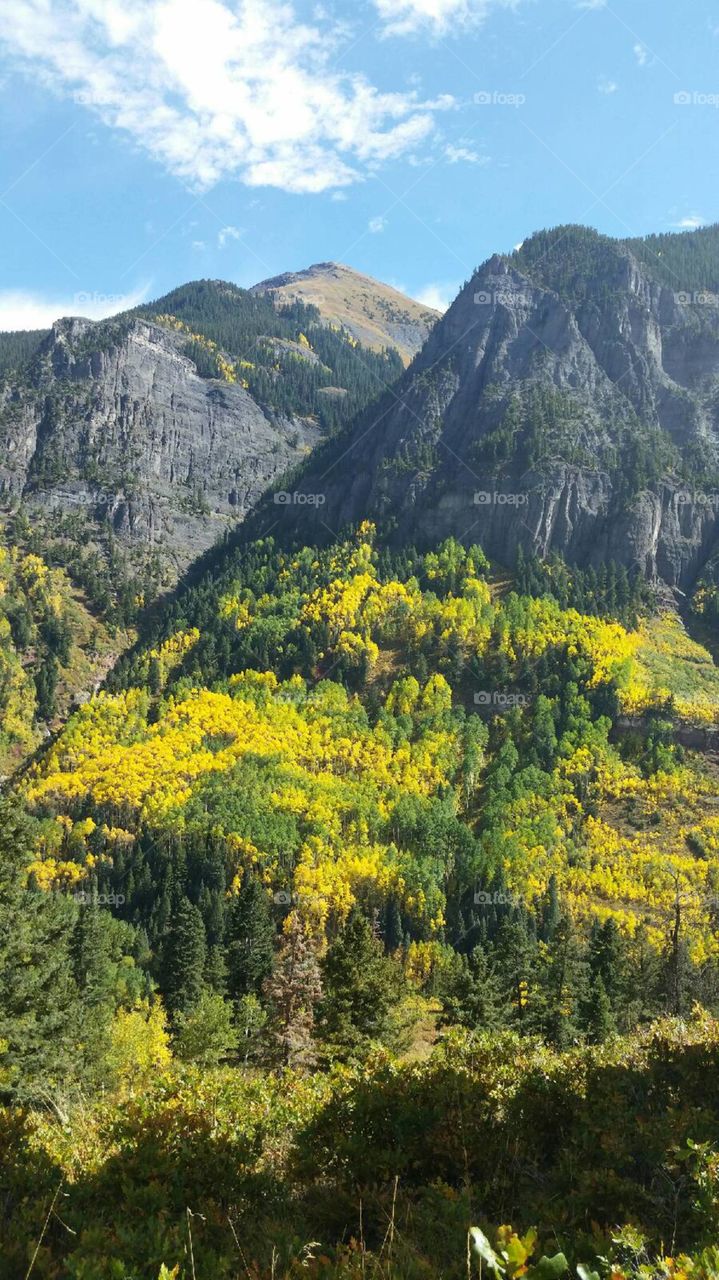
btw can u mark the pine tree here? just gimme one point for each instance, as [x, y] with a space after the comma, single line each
[596, 1014]
[94, 975]
[293, 991]
[517, 962]
[249, 939]
[562, 986]
[361, 986]
[473, 998]
[39, 1004]
[184, 959]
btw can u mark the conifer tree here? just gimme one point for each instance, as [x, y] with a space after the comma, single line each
[184, 959]
[39, 1004]
[361, 985]
[249, 939]
[596, 1013]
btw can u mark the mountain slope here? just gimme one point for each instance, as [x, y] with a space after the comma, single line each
[568, 401]
[161, 428]
[377, 315]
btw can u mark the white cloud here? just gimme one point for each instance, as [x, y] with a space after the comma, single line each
[227, 234]
[338, 196]
[641, 53]
[220, 88]
[690, 223]
[375, 225]
[438, 296]
[456, 155]
[439, 17]
[592, 4]
[20, 309]
[606, 85]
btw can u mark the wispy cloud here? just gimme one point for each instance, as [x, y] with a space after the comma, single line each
[466, 155]
[216, 88]
[607, 86]
[642, 55]
[227, 234]
[375, 225]
[690, 223]
[438, 296]
[439, 17]
[22, 310]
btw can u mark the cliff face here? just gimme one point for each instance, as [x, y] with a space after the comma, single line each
[112, 420]
[564, 403]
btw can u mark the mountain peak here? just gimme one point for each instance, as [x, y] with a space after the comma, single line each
[375, 314]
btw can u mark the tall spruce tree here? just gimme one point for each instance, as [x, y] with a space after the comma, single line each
[184, 955]
[39, 1001]
[249, 939]
[361, 986]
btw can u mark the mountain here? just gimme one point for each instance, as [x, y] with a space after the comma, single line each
[568, 401]
[161, 428]
[377, 315]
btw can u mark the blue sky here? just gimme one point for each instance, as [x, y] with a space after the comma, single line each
[150, 142]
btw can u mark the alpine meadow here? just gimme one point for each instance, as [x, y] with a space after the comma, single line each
[359, 641]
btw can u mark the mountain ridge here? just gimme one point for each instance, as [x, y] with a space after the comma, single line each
[585, 413]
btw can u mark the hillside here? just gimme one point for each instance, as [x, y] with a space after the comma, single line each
[375, 314]
[54, 652]
[159, 430]
[566, 402]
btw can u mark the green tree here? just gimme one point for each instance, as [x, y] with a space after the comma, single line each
[184, 959]
[206, 1035]
[249, 939]
[39, 1001]
[361, 986]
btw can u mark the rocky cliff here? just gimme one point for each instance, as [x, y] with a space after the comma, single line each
[568, 401]
[112, 420]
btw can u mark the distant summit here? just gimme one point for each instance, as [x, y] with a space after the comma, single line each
[375, 314]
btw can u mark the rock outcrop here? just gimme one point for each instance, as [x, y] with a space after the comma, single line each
[566, 404]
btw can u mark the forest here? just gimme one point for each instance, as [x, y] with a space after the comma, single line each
[373, 899]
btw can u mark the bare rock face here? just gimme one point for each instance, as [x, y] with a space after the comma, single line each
[115, 422]
[577, 415]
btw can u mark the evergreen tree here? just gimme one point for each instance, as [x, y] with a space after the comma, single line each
[562, 986]
[249, 939]
[596, 1014]
[39, 1003]
[94, 974]
[473, 996]
[361, 986]
[184, 959]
